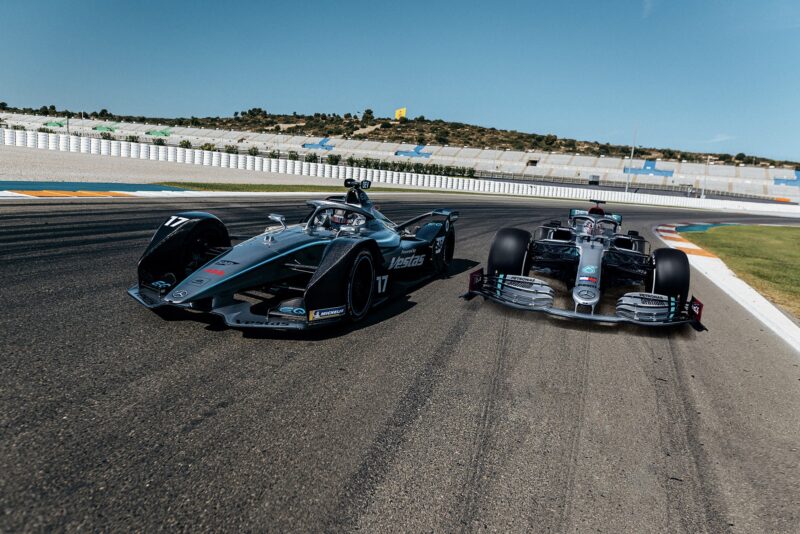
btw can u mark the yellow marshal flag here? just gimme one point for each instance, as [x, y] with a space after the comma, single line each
[400, 112]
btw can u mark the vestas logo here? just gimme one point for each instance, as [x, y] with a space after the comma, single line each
[408, 261]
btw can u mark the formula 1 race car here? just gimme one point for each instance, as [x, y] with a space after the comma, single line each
[589, 256]
[342, 259]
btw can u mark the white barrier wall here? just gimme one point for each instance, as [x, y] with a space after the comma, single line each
[85, 145]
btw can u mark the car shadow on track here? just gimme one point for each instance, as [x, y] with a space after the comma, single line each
[395, 306]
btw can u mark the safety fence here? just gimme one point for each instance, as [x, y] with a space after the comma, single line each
[193, 156]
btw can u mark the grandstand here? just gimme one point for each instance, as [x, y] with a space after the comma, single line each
[691, 178]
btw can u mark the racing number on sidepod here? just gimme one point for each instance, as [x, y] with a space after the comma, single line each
[175, 221]
[382, 282]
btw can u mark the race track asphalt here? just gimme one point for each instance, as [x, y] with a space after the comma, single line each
[436, 414]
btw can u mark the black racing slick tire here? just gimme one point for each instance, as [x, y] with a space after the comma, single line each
[444, 258]
[360, 285]
[669, 274]
[509, 253]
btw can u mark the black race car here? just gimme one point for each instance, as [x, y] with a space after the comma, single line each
[342, 259]
[589, 255]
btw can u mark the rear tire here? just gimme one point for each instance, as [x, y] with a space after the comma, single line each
[670, 274]
[444, 258]
[510, 253]
[360, 285]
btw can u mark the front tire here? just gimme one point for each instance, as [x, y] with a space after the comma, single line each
[510, 252]
[669, 274]
[360, 285]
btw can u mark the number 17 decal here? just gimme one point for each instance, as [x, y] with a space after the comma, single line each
[382, 282]
[175, 221]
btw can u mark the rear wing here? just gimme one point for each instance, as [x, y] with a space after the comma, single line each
[575, 212]
[449, 215]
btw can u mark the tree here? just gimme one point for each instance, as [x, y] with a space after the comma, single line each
[741, 156]
[367, 116]
[3, 105]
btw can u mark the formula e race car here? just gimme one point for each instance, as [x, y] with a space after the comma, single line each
[342, 259]
[589, 255]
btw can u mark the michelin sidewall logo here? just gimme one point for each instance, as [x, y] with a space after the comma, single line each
[326, 313]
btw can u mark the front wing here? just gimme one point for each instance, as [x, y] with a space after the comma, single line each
[239, 314]
[531, 294]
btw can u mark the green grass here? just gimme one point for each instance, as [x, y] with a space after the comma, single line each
[766, 257]
[276, 188]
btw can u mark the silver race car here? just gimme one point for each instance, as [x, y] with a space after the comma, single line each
[589, 255]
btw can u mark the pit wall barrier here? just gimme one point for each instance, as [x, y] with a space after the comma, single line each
[192, 156]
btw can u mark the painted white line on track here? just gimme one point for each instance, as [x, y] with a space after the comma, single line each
[717, 272]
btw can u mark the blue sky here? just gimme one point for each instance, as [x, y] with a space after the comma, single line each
[706, 75]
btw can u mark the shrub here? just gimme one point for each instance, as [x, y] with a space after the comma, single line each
[333, 159]
[231, 149]
[350, 161]
[17, 127]
[109, 137]
[253, 151]
[292, 155]
[311, 158]
[208, 146]
[132, 138]
[274, 154]
[44, 130]
[157, 141]
[185, 144]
